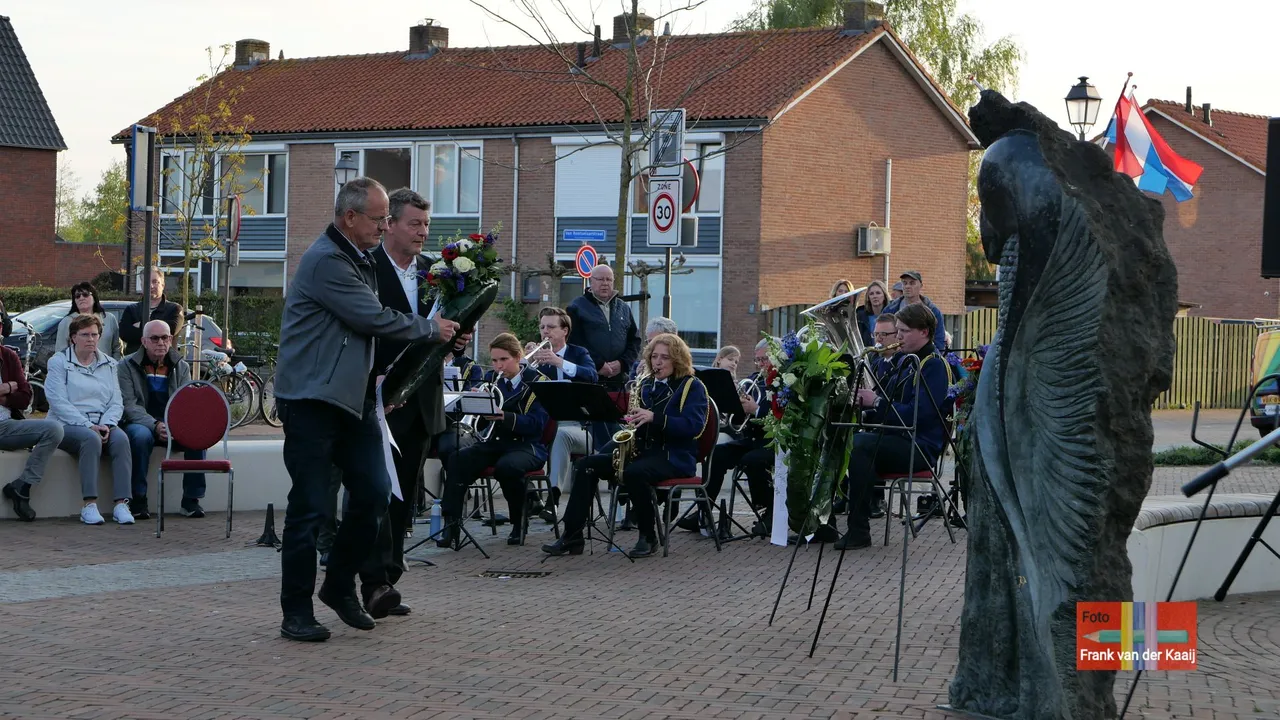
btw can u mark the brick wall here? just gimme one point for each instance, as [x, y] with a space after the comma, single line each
[311, 194]
[1216, 237]
[82, 262]
[27, 184]
[740, 322]
[824, 175]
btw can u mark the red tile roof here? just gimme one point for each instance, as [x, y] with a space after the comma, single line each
[1240, 133]
[723, 76]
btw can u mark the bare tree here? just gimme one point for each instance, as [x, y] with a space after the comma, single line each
[619, 104]
[200, 139]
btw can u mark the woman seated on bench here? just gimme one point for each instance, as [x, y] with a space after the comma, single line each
[84, 395]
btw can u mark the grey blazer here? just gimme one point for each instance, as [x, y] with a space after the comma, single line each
[331, 316]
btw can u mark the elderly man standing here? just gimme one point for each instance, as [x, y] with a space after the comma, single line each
[602, 323]
[325, 393]
[148, 378]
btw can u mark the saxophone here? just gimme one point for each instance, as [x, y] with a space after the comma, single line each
[625, 439]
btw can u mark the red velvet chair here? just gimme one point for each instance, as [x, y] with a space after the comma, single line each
[198, 417]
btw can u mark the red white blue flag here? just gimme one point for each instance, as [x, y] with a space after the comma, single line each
[1143, 155]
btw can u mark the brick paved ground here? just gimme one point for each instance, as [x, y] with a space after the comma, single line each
[109, 622]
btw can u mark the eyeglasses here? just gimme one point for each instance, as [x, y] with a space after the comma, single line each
[88, 335]
[81, 293]
[383, 220]
[159, 338]
[891, 333]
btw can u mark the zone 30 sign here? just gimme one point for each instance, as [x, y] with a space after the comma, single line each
[664, 212]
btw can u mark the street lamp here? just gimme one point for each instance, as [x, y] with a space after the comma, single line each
[1083, 103]
[346, 169]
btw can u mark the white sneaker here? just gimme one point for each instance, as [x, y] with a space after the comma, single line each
[89, 514]
[122, 514]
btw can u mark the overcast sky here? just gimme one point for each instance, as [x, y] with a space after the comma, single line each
[103, 66]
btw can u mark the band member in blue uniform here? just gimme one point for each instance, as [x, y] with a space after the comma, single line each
[513, 450]
[671, 417]
[565, 362]
[890, 451]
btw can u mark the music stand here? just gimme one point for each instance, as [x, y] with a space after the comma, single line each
[457, 404]
[581, 403]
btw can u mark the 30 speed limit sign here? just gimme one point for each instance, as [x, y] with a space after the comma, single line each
[664, 212]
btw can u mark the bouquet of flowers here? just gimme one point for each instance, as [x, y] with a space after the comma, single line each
[464, 263]
[808, 389]
[462, 285]
[962, 395]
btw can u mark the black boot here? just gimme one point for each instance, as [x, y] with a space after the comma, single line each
[564, 546]
[448, 537]
[20, 494]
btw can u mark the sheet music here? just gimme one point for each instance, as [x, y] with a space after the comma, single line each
[778, 534]
[388, 443]
[451, 400]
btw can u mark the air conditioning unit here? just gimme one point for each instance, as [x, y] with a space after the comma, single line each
[873, 240]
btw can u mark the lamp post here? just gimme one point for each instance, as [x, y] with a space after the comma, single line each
[1083, 103]
[346, 169]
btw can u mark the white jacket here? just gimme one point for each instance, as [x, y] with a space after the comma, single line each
[83, 395]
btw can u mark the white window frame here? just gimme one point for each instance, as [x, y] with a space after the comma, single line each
[181, 154]
[475, 147]
[267, 180]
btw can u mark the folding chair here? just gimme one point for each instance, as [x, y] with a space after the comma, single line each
[197, 416]
[696, 484]
[537, 483]
[737, 487]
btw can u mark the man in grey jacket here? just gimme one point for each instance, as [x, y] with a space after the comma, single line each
[325, 393]
[148, 378]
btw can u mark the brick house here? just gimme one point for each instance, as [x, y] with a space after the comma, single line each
[793, 132]
[1216, 237]
[29, 145]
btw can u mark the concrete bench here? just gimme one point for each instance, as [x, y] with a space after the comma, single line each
[1163, 528]
[261, 478]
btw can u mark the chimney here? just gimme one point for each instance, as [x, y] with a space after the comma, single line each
[624, 28]
[426, 38]
[595, 48]
[251, 52]
[862, 16]
[1191, 109]
[1207, 115]
[582, 54]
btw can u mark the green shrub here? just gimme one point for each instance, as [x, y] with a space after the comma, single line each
[517, 318]
[1194, 455]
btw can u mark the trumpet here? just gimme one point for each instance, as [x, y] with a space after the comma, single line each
[747, 390]
[471, 423]
[537, 349]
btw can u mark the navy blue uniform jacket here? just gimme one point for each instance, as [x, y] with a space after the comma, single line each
[679, 418]
[523, 418]
[901, 408]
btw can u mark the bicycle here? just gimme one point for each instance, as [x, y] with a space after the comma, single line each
[39, 402]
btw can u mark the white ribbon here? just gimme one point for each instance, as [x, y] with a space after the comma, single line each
[779, 530]
[388, 443]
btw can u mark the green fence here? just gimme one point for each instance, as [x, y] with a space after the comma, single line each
[1212, 358]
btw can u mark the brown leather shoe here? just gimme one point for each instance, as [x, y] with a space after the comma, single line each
[382, 601]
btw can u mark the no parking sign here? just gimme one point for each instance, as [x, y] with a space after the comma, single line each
[585, 260]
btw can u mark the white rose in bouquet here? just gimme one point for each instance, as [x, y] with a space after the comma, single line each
[789, 379]
[463, 265]
[464, 245]
[439, 267]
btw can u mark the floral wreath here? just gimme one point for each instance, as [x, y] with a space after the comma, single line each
[464, 263]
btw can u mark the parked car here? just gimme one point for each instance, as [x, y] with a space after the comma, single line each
[45, 319]
[1264, 406]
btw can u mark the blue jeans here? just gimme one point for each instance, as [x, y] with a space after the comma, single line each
[142, 440]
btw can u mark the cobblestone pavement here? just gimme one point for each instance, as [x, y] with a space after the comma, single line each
[110, 622]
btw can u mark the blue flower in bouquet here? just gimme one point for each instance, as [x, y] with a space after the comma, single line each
[954, 391]
[952, 359]
[790, 344]
[982, 350]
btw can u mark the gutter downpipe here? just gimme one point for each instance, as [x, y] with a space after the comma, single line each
[515, 209]
[888, 204]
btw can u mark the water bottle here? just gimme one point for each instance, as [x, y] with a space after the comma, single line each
[437, 520]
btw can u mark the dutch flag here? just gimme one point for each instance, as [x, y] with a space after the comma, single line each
[1143, 155]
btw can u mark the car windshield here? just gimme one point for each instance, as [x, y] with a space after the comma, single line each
[42, 318]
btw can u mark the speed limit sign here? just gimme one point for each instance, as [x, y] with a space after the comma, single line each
[664, 212]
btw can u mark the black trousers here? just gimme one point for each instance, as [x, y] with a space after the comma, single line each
[639, 474]
[873, 454]
[754, 458]
[385, 564]
[319, 436]
[510, 461]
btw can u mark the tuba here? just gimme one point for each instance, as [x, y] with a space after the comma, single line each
[625, 439]
[838, 320]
